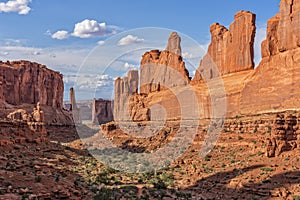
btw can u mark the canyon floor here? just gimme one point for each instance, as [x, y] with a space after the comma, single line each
[58, 167]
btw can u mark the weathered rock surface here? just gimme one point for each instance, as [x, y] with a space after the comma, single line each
[283, 29]
[102, 111]
[273, 84]
[74, 108]
[174, 44]
[124, 88]
[161, 69]
[284, 135]
[230, 50]
[27, 82]
[23, 84]
[138, 108]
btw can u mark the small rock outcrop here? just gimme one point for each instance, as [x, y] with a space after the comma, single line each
[38, 114]
[230, 50]
[161, 69]
[102, 111]
[35, 120]
[284, 135]
[19, 115]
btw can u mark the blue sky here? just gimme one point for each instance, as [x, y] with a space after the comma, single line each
[62, 33]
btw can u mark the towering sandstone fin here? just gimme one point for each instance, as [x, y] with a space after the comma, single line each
[124, 88]
[283, 29]
[273, 86]
[174, 44]
[158, 67]
[230, 50]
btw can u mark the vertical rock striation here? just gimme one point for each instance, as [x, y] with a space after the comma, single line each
[230, 50]
[27, 82]
[124, 88]
[283, 31]
[102, 111]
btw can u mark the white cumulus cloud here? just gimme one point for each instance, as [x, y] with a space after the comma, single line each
[19, 6]
[130, 66]
[91, 28]
[101, 42]
[60, 35]
[130, 39]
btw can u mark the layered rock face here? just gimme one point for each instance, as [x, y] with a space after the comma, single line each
[27, 82]
[102, 111]
[124, 88]
[283, 29]
[273, 84]
[23, 84]
[230, 50]
[161, 69]
[284, 136]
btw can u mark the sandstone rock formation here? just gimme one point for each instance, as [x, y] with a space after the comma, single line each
[23, 84]
[124, 88]
[38, 114]
[138, 110]
[230, 50]
[102, 111]
[27, 82]
[19, 115]
[284, 135]
[272, 86]
[74, 108]
[35, 121]
[283, 29]
[160, 69]
[174, 44]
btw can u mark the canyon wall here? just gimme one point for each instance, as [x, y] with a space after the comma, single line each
[23, 84]
[271, 87]
[27, 82]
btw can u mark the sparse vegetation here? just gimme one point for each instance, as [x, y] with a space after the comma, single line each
[266, 169]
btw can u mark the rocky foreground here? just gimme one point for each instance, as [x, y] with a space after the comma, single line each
[56, 167]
